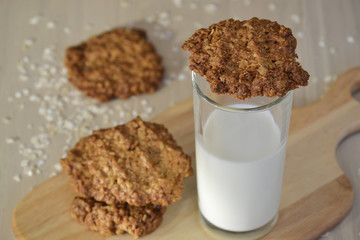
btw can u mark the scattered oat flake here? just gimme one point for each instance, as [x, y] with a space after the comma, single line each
[67, 30]
[7, 119]
[28, 43]
[150, 19]
[24, 163]
[21, 68]
[325, 235]
[34, 98]
[50, 25]
[163, 15]
[210, 8]
[272, 6]
[17, 178]
[34, 20]
[32, 66]
[144, 102]
[134, 113]
[41, 140]
[322, 44]
[178, 3]
[63, 71]
[350, 39]
[327, 78]
[64, 155]
[48, 51]
[25, 91]
[149, 109]
[69, 125]
[295, 18]
[182, 77]
[23, 78]
[122, 114]
[10, 140]
[163, 19]
[53, 70]
[300, 34]
[18, 94]
[58, 167]
[29, 172]
[26, 59]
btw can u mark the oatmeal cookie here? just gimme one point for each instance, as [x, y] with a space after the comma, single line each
[138, 163]
[118, 218]
[76, 165]
[246, 59]
[116, 64]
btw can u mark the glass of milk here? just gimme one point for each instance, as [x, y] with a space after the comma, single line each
[240, 153]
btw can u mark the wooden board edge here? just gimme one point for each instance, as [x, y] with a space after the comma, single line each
[14, 226]
[347, 82]
[337, 194]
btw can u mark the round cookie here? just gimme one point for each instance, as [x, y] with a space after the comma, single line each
[246, 59]
[118, 218]
[138, 163]
[116, 64]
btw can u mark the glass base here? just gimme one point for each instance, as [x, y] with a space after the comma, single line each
[218, 233]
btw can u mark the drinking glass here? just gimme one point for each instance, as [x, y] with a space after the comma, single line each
[240, 153]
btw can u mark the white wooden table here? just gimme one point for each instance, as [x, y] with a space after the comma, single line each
[42, 114]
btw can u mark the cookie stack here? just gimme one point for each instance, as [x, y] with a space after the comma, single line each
[126, 176]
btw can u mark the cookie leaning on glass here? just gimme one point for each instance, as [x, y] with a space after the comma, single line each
[246, 59]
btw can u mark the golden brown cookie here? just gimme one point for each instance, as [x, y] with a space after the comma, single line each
[116, 64]
[76, 165]
[118, 218]
[138, 163]
[246, 59]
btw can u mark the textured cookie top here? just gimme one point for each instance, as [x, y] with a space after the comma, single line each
[138, 163]
[246, 59]
[116, 64]
[118, 218]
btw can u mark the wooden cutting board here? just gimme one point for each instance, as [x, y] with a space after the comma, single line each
[315, 197]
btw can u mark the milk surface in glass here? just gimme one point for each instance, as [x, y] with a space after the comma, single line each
[240, 162]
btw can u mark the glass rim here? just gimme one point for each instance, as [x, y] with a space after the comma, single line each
[235, 109]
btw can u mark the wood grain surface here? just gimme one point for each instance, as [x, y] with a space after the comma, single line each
[328, 44]
[316, 194]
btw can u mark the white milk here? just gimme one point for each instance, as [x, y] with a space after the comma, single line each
[239, 172]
